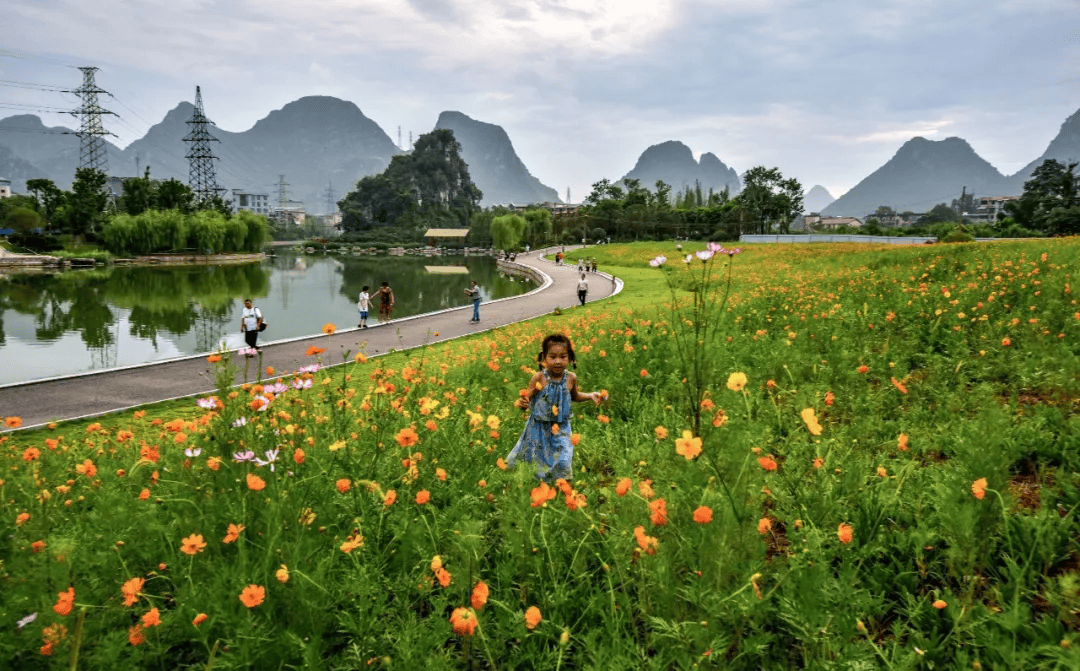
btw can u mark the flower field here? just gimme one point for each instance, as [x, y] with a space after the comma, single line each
[815, 456]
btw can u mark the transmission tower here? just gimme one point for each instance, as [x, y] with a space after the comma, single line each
[399, 137]
[91, 133]
[283, 193]
[331, 204]
[410, 140]
[201, 177]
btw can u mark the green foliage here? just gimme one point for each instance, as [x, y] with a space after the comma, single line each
[1051, 200]
[940, 214]
[21, 218]
[430, 184]
[47, 197]
[205, 231]
[958, 234]
[770, 201]
[84, 209]
[506, 231]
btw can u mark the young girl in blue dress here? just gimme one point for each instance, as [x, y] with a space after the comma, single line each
[546, 438]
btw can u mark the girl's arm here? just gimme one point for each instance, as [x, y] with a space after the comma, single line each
[530, 391]
[577, 395]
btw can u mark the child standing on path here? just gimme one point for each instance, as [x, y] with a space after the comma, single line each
[363, 304]
[546, 438]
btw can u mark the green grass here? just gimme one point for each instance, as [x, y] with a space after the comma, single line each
[916, 405]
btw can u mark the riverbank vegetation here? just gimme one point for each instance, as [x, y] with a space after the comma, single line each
[810, 456]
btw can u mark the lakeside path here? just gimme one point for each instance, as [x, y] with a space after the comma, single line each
[103, 392]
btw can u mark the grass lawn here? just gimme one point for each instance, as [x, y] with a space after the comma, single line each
[810, 456]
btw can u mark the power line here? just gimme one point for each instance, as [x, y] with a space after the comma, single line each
[34, 108]
[6, 52]
[37, 87]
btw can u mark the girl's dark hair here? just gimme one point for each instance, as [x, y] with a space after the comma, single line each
[365, 288]
[556, 339]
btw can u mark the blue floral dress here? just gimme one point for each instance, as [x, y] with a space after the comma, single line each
[553, 453]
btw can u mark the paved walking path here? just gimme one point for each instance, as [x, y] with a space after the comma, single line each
[97, 393]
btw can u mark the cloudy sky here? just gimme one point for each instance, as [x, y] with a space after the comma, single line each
[825, 90]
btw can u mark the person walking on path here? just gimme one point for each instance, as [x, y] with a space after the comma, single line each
[582, 288]
[580, 265]
[363, 304]
[386, 302]
[474, 292]
[251, 322]
[545, 441]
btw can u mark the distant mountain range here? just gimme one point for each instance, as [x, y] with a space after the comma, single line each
[674, 163]
[817, 199]
[925, 173]
[315, 142]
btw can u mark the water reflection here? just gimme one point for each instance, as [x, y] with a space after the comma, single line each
[55, 324]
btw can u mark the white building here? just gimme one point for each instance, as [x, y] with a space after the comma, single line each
[259, 203]
[5, 188]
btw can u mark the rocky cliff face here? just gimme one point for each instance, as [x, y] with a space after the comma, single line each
[42, 151]
[494, 166]
[922, 174]
[674, 163]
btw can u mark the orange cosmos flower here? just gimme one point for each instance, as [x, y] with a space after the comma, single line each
[844, 532]
[647, 543]
[86, 468]
[829, 398]
[352, 542]
[430, 425]
[532, 617]
[809, 417]
[13, 422]
[255, 483]
[37, 546]
[624, 486]
[193, 544]
[65, 601]
[329, 328]
[144, 494]
[1005, 342]
[440, 474]
[253, 595]
[899, 386]
[902, 442]
[863, 370]
[978, 488]
[298, 455]
[343, 485]
[703, 515]
[463, 621]
[575, 438]
[199, 619]
[31, 454]
[764, 525]
[939, 604]
[152, 618]
[213, 358]
[603, 419]
[707, 404]
[390, 497]
[479, 595]
[131, 589]
[645, 489]
[644, 373]
[135, 635]
[554, 429]
[736, 381]
[233, 533]
[768, 463]
[423, 496]
[658, 512]
[688, 446]
[882, 473]
[541, 494]
[21, 519]
[282, 574]
[407, 437]
[501, 463]
[313, 350]
[124, 436]
[443, 576]
[661, 433]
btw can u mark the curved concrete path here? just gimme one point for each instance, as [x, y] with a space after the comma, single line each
[113, 390]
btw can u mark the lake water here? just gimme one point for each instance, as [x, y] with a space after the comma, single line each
[82, 320]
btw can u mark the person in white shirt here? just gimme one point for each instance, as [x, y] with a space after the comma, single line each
[582, 288]
[364, 303]
[251, 321]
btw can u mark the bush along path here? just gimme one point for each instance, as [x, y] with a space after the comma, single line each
[838, 457]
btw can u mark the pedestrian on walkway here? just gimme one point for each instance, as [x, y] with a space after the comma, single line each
[474, 292]
[582, 288]
[363, 304]
[386, 302]
[581, 265]
[251, 322]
